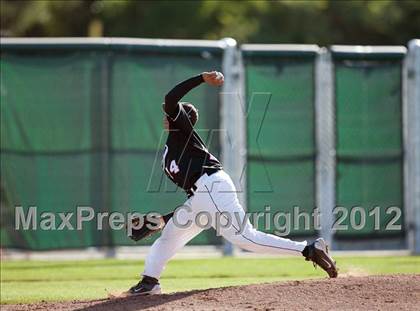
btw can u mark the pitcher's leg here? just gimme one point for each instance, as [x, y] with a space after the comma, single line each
[249, 238]
[173, 238]
[240, 232]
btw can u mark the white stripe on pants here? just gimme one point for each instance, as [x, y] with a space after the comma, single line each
[215, 194]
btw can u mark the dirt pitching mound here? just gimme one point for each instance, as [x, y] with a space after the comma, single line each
[389, 292]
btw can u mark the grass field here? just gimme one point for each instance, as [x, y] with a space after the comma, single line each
[31, 281]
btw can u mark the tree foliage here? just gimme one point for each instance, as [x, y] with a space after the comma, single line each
[283, 21]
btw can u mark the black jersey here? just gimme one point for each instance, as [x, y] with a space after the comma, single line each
[185, 157]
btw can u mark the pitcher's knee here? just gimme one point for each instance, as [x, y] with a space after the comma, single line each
[242, 242]
[242, 239]
[236, 238]
[249, 232]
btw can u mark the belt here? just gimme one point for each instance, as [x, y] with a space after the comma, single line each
[190, 192]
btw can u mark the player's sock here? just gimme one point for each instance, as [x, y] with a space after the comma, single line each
[305, 251]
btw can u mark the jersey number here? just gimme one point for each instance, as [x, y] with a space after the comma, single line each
[173, 168]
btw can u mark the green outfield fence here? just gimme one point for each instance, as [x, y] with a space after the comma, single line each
[280, 92]
[369, 136]
[81, 125]
[294, 125]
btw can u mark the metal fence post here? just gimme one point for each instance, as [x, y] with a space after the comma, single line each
[325, 138]
[232, 123]
[412, 145]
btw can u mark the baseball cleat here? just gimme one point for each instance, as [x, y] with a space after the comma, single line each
[317, 252]
[144, 288]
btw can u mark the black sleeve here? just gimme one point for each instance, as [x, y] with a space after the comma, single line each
[171, 106]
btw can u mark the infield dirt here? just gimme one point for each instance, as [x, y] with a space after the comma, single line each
[390, 292]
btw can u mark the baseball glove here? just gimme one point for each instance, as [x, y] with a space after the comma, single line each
[144, 226]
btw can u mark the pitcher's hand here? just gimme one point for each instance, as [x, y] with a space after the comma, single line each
[213, 78]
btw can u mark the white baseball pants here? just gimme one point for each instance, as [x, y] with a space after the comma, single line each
[215, 196]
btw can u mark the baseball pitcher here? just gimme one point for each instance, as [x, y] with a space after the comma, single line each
[188, 163]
